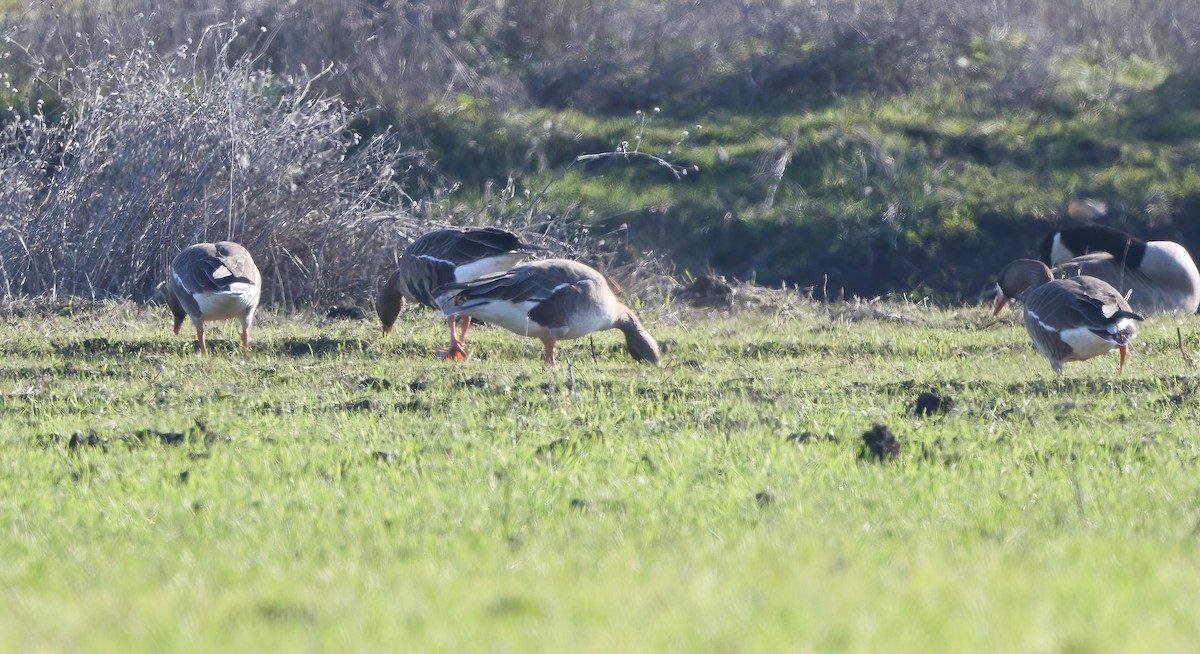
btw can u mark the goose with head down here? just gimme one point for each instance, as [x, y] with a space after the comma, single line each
[551, 300]
[214, 281]
[1155, 276]
[1067, 319]
[442, 257]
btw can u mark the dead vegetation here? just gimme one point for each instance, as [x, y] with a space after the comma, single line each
[148, 153]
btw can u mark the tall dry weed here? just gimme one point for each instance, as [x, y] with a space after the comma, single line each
[146, 153]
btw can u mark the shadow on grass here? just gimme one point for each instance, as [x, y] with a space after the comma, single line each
[319, 346]
[197, 434]
[1182, 385]
[100, 346]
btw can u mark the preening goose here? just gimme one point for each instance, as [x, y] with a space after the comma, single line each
[447, 256]
[214, 281]
[1156, 276]
[1067, 319]
[551, 300]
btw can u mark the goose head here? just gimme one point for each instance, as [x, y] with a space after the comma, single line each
[1017, 278]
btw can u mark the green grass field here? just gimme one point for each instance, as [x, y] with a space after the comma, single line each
[335, 491]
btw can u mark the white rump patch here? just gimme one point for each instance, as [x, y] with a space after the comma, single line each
[1122, 325]
[1059, 252]
[1086, 343]
[487, 266]
[513, 317]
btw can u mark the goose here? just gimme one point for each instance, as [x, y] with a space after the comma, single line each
[1067, 319]
[214, 281]
[1086, 209]
[447, 256]
[1155, 276]
[551, 300]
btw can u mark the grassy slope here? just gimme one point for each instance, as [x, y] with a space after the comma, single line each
[370, 498]
[934, 189]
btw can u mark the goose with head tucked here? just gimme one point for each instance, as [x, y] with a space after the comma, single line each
[1155, 276]
[1067, 319]
[550, 300]
[214, 281]
[442, 257]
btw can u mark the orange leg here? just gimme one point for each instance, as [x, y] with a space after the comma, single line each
[455, 351]
[1124, 350]
[200, 338]
[549, 345]
[245, 340]
[464, 321]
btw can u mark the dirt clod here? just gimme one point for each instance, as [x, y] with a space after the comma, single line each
[930, 403]
[581, 504]
[385, 457]
[708, 291]
[372, 404]
[801, 437]
[880, 444]
[164, 437]
[88, 439]
[344, 313]
[554, 447]
[375, 384]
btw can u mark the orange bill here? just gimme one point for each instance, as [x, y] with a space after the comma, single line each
[1001, 300]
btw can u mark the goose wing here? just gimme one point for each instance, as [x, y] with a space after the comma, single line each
[206, 268]
[438, 258]
[461, 246]
[556, 287]
[1081, 302]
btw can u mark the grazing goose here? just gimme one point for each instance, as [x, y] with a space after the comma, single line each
[447, 256]
[1155, 276]
[1067, 319]
[214, 281]
[551, 300]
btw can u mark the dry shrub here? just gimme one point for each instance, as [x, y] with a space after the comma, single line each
[617, 55]
[148, 153]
